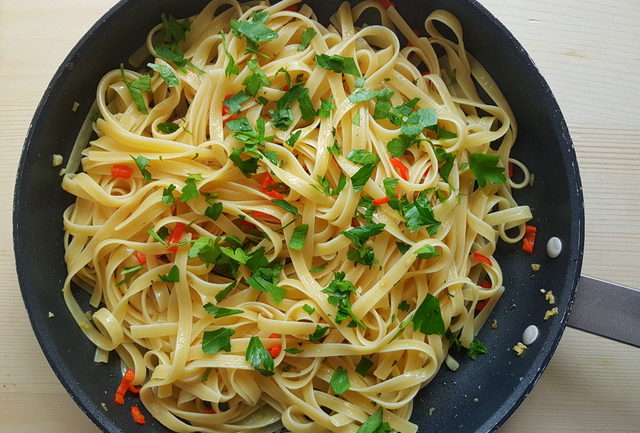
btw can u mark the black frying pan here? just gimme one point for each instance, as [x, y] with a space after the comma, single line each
[499, 381]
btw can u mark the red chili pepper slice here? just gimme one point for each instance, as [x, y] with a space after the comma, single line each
[210, 411]
[485, 283]
[481, 304]
[121, 171]
[274, 335]
[529, 239]
[292, 8]
[141, 257]
[510, 170]
[175, 236]
[482, 258]
[402, 169]
[275, 350]
[137, 415]
[386, 3]
[134, 390]
[125, 383]
[380, 201]
[264, 216]
[266, 186]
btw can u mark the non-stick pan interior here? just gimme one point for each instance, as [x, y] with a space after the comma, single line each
[482, 393]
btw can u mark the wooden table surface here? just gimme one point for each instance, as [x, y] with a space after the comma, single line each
[589, 51]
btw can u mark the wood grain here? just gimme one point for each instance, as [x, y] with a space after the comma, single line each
[588, 50]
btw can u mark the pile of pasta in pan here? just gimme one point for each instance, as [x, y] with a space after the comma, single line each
[288, 224]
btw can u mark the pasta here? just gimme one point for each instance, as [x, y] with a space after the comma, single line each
[286, 224]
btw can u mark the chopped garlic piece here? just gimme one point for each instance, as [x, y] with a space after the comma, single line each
[104, 406]
[543, 291]
[519, 348]
[549, 297]
[51, 315]
[56, 160]
[431, 410]
[475, 400]
[535, 267]
[75, 106]
[494, 324]
[452, 363]
[550, 313]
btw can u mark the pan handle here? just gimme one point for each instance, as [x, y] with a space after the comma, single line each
[607, 309]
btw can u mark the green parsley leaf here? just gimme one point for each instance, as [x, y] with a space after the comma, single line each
[367, 204]
[159, 235]
[306, 38]
[476, 348]
[174, 31]
[168, 127]
[136, 87]
[361, 177]
[142, 163]
[190, 190]
[246, 166]
[308, 309]
[318, 269]
[420, 214]
[224, 292]
[356, 119]
[334, 149]
[232, 67]
[364, 366]
[239, 255]
[362, 255]
[293, 138]
[485, 168]
[360, 82]
[205, 375]
[428, 318]
[172, 277]
[318, 333]
[219, 312]
[398, 146]
[173, 53]
[165, 73]
[325, 107]
[214, 211]
[234, 103]
[419, 120]
[402, 247]
[292, 209]
[390, 184]
[363, 157]
[262, 100]
[215, 341]
[293, 350]
[276, 292]
[300, 94]
[298, 237]
[254, 30]
[426, 252]
[453, 80]
[446, 160]
[366, 94]
[129, 271]
[325, 188]
[372, 424]
[359, 235]
[404, 306]
[340, 292]
[338, 64]
[198, 245]
[259, 358]
[254, 82]
[340, 381]
[167, 195]
[281, 119]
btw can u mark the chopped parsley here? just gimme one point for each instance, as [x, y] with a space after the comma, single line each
[142, 164]
[360, 82]
[215, 341]
[306, 38]
[293, 350]
[259, 358]
[130, 272]
[428, 318]
[175, 54]
[174, 31]
[308, 309]
[325, 107]
[366, 94]
[446, 160]
[234, 102]
[281, 119]
[476, 348]
[338, 64]
[218, 312]
[225, 292]
[485, 168]
[190, 190]
[318, 333]
[334, 149]
[254, 82]
[167, 195]
[214, 210]
[232, 67]
[292, 209]
[339, 292]
[324, 187]
[165, 73]
[136, 87]
[364, 366]
[173, 276]
[293, 138]
[168, 127]
[426, 252]
[363, 157]
[361, 177]
[254, 31]
[298, 237]
[374, 424]
[340, 381]
[420, 214]
[404, 306]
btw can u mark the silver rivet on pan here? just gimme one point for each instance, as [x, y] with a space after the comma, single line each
[554, 247]
[530, 334]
